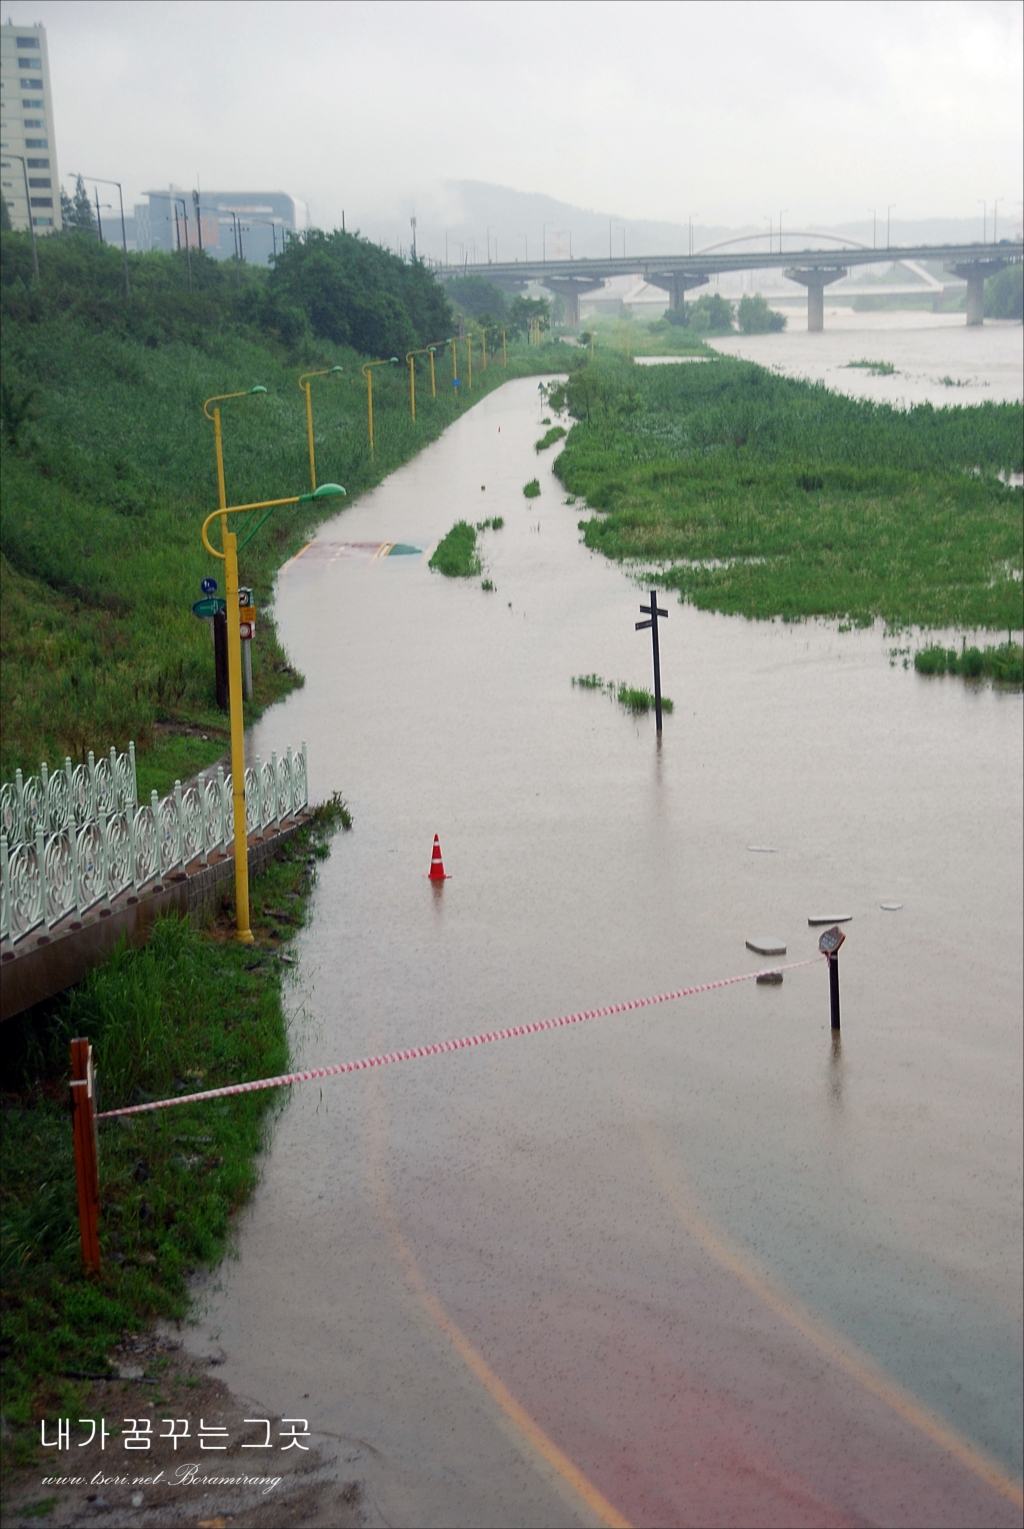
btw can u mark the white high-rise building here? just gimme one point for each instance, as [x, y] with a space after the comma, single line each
[28, 146]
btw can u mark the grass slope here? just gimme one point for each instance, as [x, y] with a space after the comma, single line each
[108, 472]
[189, 1010]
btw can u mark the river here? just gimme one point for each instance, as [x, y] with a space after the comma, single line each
[699, 1263]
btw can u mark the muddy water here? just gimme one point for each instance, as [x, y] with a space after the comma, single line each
[936, 358]
[733, 1271]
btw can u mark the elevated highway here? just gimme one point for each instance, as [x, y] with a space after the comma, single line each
[814, 269]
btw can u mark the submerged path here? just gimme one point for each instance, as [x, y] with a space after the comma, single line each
[695, 1265]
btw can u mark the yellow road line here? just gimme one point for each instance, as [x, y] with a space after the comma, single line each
[825, 1338]
[517, 1414]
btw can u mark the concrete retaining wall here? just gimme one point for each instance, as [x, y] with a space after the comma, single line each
[44, 964]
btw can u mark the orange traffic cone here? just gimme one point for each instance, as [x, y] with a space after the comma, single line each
[437, 870]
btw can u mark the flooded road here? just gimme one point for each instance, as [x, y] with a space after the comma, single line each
[697, 1264]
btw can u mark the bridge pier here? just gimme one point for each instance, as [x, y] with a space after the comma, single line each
[974, 272]
[676, 284]
[570, 288]
[816, 278]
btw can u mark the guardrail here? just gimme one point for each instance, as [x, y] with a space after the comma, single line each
[78, 837]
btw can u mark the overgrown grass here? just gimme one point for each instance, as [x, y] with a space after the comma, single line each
[768, 496]
[1004, 663]
[654, 337]
[876, 368]
[456, 555]
[108, 472]
[532, 489]
[187, 1011]
[549, 438]
[633, 698]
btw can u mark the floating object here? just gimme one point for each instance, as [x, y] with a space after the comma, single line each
[767, 945]
[831, 918]
[762, 849]
[483, 488]
[437, 871]
[891, 907]
[769, 979]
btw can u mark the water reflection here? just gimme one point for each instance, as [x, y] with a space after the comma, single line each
[835, 1072]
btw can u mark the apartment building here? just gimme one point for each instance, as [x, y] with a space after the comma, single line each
[28, 145]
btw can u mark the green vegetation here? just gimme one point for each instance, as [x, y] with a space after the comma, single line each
[876, 368]
[754, 316]
[710, 314]
[494, 524]
[549, 438]
[632, 697]
[109, 471]
[1004, 663]
[1004, 294]
[456, 555]
[532, 489]
[769, 496]
[487, 584]
[189, 1010]
[654, 337]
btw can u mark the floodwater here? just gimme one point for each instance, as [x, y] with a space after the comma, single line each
[937, 358]
[700, 1263]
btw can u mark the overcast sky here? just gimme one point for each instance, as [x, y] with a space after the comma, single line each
[645, 110]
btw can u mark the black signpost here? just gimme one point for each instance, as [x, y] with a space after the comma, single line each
[828, 944]
[654, 611]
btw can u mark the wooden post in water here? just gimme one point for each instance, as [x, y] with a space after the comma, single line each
[654, 611]
[83, 1117]
[828, 944]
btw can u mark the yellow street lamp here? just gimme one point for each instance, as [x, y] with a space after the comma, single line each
[483, 342]
[367, 372]
[469, 360]
[229, 556]
[304, 388]
[425, 350]
[217, 441]
[455, 359]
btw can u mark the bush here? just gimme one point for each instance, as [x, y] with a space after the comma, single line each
[1004, 294]
[755, 317]
[710, 315]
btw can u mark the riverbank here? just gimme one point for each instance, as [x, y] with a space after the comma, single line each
[764, 496]
[109, 470]
[190, 1009]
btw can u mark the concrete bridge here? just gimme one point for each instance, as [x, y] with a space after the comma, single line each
[814, 269]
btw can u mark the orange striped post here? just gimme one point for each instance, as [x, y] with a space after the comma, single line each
[83, 1114]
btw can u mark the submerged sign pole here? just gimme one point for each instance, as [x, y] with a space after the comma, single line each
[654, 610]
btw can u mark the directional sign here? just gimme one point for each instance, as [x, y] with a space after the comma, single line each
[245, 597]
[209, 607]
[209, 586]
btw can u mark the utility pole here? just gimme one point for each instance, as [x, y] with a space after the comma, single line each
[654, 611]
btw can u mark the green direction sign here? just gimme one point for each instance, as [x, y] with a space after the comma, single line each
[212, 606]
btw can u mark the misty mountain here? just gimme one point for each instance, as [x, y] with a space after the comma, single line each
[468, 219]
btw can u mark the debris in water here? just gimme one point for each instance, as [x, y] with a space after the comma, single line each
[833, 918]
[891, 907]
[767, 945]
[769, 979]
[762, 849]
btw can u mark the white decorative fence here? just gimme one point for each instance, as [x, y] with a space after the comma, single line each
[78, 837]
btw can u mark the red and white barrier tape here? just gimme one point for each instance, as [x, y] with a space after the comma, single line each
[437, 1047]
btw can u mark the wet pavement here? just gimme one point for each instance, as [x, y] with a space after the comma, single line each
[699, 1264]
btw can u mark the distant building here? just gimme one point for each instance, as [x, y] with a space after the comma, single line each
[254, 224]
[26, 130]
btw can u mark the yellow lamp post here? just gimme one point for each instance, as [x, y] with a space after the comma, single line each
[483, 342]
[217, 440]
[367, 372]
[455, 359]
[469, 360]
[304, 388]
[229, 556]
